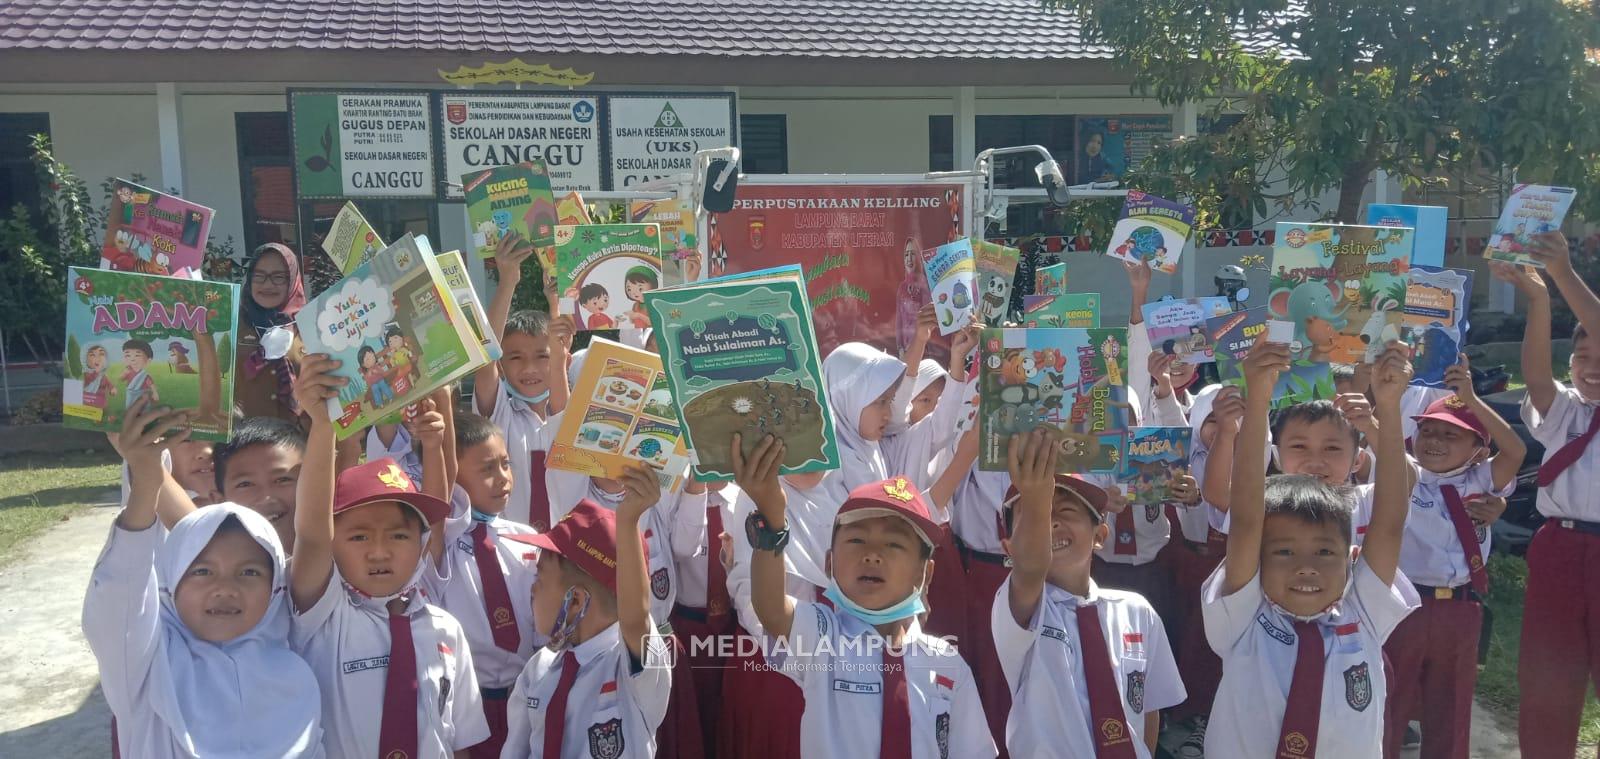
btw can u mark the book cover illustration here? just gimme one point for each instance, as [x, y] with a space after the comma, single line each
[1531, 210]
[132, 336]
[1155, 456]
[1153, 230]
[1428, 223]
[571, 210]
[997, 268]
[1050, 280]
[1232, 335]
[615, 420]
[951, 275]
[604, 270]
[741, 356]
[151, 232]
[454, 269]
[1435, 320]
[1076, 310]
[680, 252]
[376, 322]
[1070, 381]
[351, 241]
[1343, 286]
[1177, 327]
[509, 199]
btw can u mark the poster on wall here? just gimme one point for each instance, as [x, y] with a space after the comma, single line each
[657, 136]
[859, 246]
[481, 131]
[362, 144]
[1111, 146]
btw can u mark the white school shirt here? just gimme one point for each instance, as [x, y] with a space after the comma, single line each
[1194, 521]
[837, 660]
[525, 432]
[1043, 664]
[1430, 552]
[1256, 641]
[1151, 528]
[398, 449]
[975, 510]
[923, 450]
[693, 574]
[456, 586]
[1574, 494]
[664, 541]
[347, 646]
[613, 708]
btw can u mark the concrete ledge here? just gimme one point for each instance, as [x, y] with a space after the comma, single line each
[49, 438]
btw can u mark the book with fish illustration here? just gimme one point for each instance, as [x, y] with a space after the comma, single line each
[951, 273]
[997, 268]
[1177, 326]
[1435, 320]
[1232, 335]
[740, 355]
[377, 321]
[1076, 310]
[1532, 209]
[507, 200]
[1154, 457]
[680, 254]
[454, 269]
[1428, 223]
[620, 414]
[1050, 280]
[604, 270]
[1070, 381]
[351, 241]
[1152, 230]
[1343, 286]
[166, 339]
[151, 232]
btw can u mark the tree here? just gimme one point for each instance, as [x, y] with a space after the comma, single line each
[1324, 92]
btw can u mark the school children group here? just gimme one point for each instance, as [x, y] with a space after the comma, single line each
[454, 597]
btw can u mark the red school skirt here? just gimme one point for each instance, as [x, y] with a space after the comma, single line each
[761, 708]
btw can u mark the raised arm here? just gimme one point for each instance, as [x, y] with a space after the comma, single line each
[944, 488]
[313, 515]
[431, 428]
[1228, 411]
[1536, 359]
[1391, 496]
[900, 410]
[1551, 249]
[641, 491]
[1031, 460]
[961, 346]
[1247, 512]
[562, 329]
[757, 476]
[1503, 467]
[509, 254]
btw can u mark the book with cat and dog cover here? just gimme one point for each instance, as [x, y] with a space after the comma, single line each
[508, 200]
[1070, 381]
[620, 414]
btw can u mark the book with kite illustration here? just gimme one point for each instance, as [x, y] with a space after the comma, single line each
[166, 339]
[454, 269]
[740, 355]
[1072, 382]
[1532, 209]
[151, 232]
[604, 270]
[1155, 456]
[1232, 335]
[1152, 230]
[620, 414]
[1050, 280]
[997, 268]
[1177, 326]
[1435, 320]
[1342, 285]
[951, 275]
[1076, 310]
[351, 241]
[507, 200]
[680, 254]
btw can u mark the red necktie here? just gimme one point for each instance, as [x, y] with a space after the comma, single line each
[538, 493]
[1127, 543]
[397, 733]
[896, 740]
[555, 716]
[496, 599]
[717, 605]
[1468, 535]
[1569, 453]
[1108, 721]
[1297, 738]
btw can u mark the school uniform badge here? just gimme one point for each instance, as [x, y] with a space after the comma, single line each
[605, 740]
[1136, 691]
[659, 584]
[1358, 687]
[941, 733]
[1152, 512]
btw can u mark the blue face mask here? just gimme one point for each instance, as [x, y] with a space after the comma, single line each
[478, 516]
[910, 607]
[532, 400]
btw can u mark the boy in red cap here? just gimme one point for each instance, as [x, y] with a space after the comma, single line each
[396, 672]
[1089, 667]
[600, 686]
[871, 677]
[1459, 492]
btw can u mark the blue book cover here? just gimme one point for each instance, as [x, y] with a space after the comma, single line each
[1435, 320]
[1153, 458]
[1429, 222]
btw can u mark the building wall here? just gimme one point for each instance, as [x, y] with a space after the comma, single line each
[99, 135]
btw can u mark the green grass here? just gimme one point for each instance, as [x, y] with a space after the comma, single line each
[1497, 681]
[48, 488]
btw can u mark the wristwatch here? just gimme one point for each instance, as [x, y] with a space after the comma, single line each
[761, 535]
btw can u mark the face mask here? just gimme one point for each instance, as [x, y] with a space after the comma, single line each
[607, 499]
[1472, 461]
[532, 400]
[567, 621]
[478, 516]
[910, 607]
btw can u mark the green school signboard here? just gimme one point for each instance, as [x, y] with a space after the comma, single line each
[362, 144]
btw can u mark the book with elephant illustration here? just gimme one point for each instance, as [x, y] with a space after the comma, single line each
[620, 414]
[166, 339]
[1070, 381]
[1155, 456]
[1342, 285]
[740, 355]
[603, 271]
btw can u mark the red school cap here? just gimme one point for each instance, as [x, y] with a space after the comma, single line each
[380, 481]
[587, 537]
[1092, 495]
[894, 497]
[1452, 410]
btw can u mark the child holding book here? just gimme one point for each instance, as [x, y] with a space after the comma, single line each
[259, 468]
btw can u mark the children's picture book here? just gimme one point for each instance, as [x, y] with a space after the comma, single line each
[571, 210]
[740, 355]
[951, 275]
[1154, 457]
[617, 418]
[151, 232]
[454, 269]
[1076, 310]
[1232, 335]
[1153, 230]
[1531, 210]
[509, 199]
[679, 247]
[1050, 280]
[1072, 382]
[1343, 286]
[1177, 326]
[997, 268]
[376, 321]
[1435, 320]
[1429, 225]
[351, 241]
[133, 336]
[595, 263]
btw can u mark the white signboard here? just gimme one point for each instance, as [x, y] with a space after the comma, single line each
[655, 136]
[482, 131]
[371, 144]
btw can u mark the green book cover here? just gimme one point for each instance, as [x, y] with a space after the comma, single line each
[1072, 382]
[742, 357]
[1079, 310]
[507, 199]
[604, 270]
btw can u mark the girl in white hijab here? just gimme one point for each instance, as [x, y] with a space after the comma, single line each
[861, 382]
